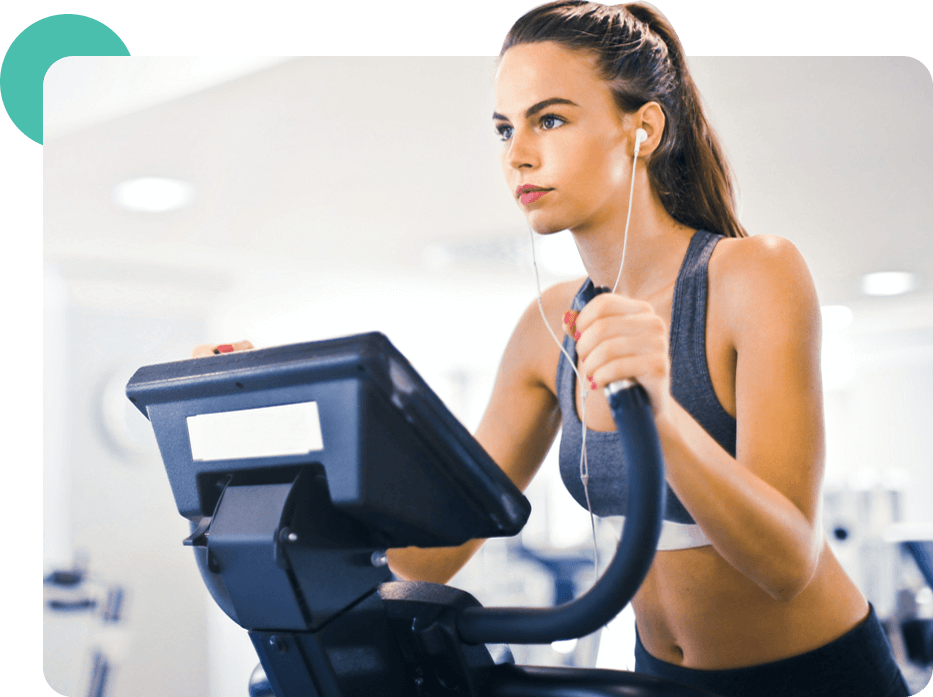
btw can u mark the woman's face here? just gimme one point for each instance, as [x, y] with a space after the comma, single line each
[564, 139]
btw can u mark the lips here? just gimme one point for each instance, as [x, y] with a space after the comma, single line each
[529, 193]
[528, 188]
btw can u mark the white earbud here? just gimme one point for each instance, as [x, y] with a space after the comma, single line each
[641, 135]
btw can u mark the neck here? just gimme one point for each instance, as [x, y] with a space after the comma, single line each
[656, 245]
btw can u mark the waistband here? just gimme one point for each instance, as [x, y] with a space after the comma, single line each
[858, 663]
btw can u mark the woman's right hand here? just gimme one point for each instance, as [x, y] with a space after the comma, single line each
[214, 349]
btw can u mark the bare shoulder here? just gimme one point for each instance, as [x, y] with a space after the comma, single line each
[532, 345]
[763, 278]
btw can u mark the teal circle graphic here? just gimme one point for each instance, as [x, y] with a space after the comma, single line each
[31, 55]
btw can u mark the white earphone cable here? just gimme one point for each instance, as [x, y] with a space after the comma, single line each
[640, 136]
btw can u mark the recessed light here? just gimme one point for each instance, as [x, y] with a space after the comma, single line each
[153, 194]
[888, 283]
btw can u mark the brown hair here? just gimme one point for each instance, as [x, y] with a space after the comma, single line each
[639, 55]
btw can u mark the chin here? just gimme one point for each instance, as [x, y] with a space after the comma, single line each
[543, 226]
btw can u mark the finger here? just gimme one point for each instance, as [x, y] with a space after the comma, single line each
[205, 350]
[230, 348]
[602, 353]
[590, 311]
[622, 368]
[569, 323]
[608, 304]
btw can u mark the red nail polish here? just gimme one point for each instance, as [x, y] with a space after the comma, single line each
[568, 317]
[576, 336]
[224, 348]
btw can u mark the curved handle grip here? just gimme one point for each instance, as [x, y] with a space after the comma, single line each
[632, 413]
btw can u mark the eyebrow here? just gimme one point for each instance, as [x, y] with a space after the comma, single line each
[535, 108]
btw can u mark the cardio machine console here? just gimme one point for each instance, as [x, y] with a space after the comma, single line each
[354, 410]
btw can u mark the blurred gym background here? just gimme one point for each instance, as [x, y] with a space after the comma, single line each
[190, 201]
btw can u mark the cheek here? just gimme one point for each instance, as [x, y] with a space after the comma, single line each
[596, 170]
[613, 164]
[617, 172]
[571, 162]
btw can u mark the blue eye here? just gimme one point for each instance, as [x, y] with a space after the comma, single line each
[505, 131]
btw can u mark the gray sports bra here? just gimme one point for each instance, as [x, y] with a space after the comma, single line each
[690, 386]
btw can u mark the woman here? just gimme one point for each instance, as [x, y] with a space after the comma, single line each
[745, 597]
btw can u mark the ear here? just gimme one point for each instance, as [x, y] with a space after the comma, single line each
[651, 118]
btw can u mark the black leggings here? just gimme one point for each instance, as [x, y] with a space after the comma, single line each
[857, 664]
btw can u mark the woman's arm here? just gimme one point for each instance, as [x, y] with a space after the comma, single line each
[761, 509]
[516, 430]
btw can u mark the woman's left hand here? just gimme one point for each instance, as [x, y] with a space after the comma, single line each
[622, 338]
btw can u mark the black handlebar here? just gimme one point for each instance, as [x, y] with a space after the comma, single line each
[631, 410]
[618, 584]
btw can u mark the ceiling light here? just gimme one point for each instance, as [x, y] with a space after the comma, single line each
[888, 283]
[153, 194]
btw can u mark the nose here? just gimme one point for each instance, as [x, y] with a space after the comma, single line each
[522, 153]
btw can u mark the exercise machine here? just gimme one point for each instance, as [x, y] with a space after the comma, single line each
[298, 466]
